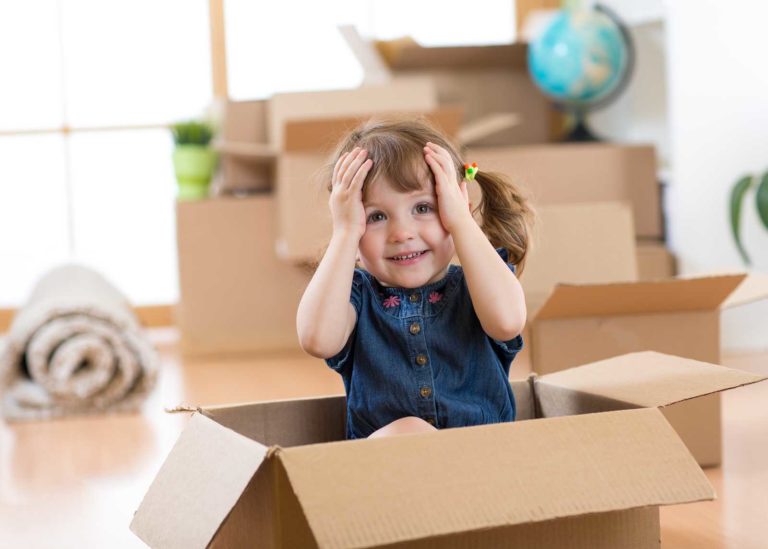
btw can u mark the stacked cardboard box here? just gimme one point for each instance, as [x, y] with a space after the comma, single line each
[588, 470]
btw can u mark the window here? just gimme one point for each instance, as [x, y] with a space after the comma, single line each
[294, 45]
[90, 86]
[86, 155]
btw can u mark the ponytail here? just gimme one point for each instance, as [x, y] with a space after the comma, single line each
[506, 216]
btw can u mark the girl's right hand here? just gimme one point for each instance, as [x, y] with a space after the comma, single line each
[346, 201]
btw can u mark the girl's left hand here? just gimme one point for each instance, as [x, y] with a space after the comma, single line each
[452, 195]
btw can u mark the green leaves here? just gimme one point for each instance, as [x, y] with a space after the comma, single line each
[762, 200]
[738, 192]
[192, 132]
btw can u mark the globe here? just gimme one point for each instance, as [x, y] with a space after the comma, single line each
[581, 60]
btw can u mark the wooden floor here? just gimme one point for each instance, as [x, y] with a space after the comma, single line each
[76, 482]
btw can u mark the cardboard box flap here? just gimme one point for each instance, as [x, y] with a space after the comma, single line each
[197, 485]
[659, 296]
[647, 379]
[382, 491]
[405, 54]
[754, 288]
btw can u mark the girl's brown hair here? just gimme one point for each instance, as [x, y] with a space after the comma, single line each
[396, 147]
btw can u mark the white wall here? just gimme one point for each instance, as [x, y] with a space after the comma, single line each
[718, 106]
[700, 93]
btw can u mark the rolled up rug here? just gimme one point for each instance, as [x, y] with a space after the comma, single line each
[75, 347]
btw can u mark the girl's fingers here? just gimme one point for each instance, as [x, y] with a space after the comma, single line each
[434, 165]
[442, 156]
[351, 155]
[362, 171]
[339, 162]
[353, 166]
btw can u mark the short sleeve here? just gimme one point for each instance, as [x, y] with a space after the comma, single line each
[504, 254]
[344, 358]
[508, 349]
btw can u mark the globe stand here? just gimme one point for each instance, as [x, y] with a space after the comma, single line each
[580, 132]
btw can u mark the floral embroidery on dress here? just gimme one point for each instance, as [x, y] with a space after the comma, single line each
[434, 297]
[392, 301]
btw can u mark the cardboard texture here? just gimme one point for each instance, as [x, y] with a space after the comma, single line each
[589, 322]
[654, 260]
[594, 172]
[591, 480]
[229, 276]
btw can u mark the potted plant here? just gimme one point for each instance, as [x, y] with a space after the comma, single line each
[738, 192]
[193, 158]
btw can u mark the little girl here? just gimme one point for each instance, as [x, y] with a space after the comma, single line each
[420, 343]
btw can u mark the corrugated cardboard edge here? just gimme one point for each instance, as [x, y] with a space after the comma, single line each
[197, 486]
[377, 491]
[678, 294]
[648, 379]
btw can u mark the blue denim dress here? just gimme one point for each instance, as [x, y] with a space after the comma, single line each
[422, 352]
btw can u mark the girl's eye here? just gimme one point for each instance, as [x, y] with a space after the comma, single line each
[423, 208]
[375, 216]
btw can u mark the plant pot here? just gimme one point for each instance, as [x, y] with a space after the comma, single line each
[194, 165]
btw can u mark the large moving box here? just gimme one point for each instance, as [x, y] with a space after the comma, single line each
[588, 471]
[581, 323]
[236, 295]
[583, 172]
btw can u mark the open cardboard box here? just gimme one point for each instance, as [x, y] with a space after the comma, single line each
[585, 303]
[486, 81]
[581, 323]
[590, 471]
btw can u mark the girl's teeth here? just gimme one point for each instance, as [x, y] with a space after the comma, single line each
[410, 256]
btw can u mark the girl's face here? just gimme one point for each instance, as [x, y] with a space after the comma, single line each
[404, 245]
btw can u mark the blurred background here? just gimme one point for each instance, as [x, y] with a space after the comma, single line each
[89, 89]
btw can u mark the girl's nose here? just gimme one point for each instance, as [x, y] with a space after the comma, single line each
[400, 232]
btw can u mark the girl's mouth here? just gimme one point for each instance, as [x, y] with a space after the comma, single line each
[408, 259]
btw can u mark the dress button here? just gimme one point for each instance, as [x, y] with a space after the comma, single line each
[414, 298]
[425, 392]
[414, 328]
[421, 360]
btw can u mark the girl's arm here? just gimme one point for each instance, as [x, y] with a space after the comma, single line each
[325, 317]
[496, 293]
